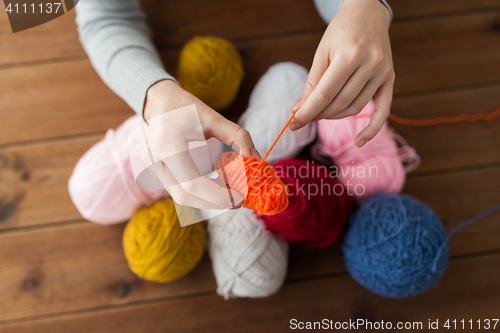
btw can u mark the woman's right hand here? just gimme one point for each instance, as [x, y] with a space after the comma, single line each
[169, 133]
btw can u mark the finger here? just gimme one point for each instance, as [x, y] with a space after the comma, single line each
[318, 68]
[188, 197]
[229, 132]
[323, 94]
[360, 101]
[383, 101]
[347, 94]
[185, 181]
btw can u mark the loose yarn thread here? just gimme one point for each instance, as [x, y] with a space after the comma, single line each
[272, 99]
[396, 246]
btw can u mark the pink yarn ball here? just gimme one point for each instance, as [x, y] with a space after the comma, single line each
[102, 185]
[375, 168]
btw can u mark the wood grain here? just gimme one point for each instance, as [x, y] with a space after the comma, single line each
[410, 9]
[446, 52]
[59, 273]
[458, 196]
[68, 98]
[77, 266]
[468, 290]
[34, 182]
[174, 22]
[81, 265]
[34, 177]
[451, 146]
[54, 100]
[52, 40]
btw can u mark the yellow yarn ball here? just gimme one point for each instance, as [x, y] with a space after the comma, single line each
[157, 248]
[211, 69]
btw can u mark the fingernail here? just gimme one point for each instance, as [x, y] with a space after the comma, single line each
[361, 143]
[297, 105]
[255, 153]
[294, 126]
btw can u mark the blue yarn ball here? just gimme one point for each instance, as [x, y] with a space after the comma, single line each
[396, 246]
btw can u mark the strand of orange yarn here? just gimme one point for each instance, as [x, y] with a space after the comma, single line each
[264, 192]
[442, 120]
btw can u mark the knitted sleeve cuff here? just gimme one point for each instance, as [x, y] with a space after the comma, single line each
[388, 7]
[327, 9]
[132, 71]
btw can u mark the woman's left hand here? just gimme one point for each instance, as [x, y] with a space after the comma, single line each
[353, 63]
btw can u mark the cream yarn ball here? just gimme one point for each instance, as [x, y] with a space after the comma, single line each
[247, 260]
[270, 107]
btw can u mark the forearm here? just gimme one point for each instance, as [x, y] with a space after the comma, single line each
[117, 40]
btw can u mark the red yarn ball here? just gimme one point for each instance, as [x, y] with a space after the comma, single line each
[318, 204]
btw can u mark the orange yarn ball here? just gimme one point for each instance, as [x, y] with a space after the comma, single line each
[264, 192]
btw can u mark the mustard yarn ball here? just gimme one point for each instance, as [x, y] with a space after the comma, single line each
[157, 248]
[211, 69]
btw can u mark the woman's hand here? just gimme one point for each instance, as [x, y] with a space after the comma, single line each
[168, 135]
[352, 64]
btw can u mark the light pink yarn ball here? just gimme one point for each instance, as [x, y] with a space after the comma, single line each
[377, 167]
[102, 185]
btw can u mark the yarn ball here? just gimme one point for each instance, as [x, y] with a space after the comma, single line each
[157, 248]
[318, 205]
[211, 68]
[377, 167]
[102, 185]
[247, 260]
[272, 100]
[256, 180]
[396, 246]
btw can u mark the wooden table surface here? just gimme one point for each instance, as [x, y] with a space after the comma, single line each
[60, 273]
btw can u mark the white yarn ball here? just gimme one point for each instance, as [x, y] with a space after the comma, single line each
[327, 8]
[270, 108]
[247, 260]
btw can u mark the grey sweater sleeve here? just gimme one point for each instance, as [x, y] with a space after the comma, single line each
[327, 9]
[118, 42]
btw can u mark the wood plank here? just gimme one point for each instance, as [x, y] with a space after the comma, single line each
[446, 52]
[32, 176]
[58, 99]
[174, 23]
[33, 106]
[457, 196]
[52, 40]
[81, 265]
[451, 146]
[409, 9]
[34, 182]
[77, 266]
[469, 290]
[436, 54]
